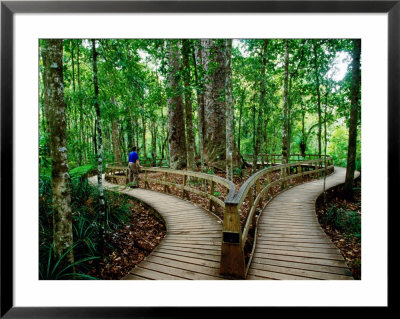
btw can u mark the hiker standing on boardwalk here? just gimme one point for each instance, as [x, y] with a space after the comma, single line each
[133, 168]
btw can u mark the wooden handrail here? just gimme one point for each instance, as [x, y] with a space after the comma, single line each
[233, 236]
[230, 186]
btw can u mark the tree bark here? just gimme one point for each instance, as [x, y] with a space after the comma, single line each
[176, 123]
[230, 120]
[355, 99]
[115, 141]
[99, 146]
[285, 155]
[190, 143]
[55, 108]
[200, 101]
[318, 98]
[260, 120]
[81, 122]
[215, 103]
[144, 137]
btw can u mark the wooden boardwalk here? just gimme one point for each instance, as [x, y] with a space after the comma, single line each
[191, 249]
[290, 242]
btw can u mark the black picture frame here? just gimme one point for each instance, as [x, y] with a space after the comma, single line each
[9, 8]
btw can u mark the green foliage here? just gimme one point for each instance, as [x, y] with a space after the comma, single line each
[343, 220]
[82, 171]
[86, 225]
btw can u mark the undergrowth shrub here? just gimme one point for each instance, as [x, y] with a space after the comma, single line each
[86, 225]
[343, 220]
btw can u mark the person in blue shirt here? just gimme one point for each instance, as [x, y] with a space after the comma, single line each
[133, 168]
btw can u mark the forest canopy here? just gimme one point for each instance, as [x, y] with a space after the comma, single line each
[278, 87]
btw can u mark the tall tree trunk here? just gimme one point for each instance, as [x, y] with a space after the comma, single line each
[254, 140]
[230, 120]
[200, 101]
[318, 98]
[354, 98]
[285, 154]
[190, 143]
[115, 141]
[215, 104]
[242, 100]
[99, 146]
[81, 122]
[55, 112]
[176, 123]
[154, 143]
[144, 137]
[260, 120]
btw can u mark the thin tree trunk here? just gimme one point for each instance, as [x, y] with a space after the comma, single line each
[154, 143]
[115, 141]
[230, 120]
[285, 155]
[318, 98]
[81, 122]
[55, 108]
[144, 137]
[100, 147]
[176, 123]
[200, 102]
[354, 98]
[259, 140]
[190, 143]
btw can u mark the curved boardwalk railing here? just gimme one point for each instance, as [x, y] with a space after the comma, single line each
[257, 187]
[191, 246]
[291, 243]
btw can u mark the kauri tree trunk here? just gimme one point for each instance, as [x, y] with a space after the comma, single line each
[55, 113]
[215, 103]
[176, 122]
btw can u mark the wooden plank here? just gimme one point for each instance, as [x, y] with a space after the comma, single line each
[292, 264]
[188, 272]
[309, 274]
[152, 274]
[190, 253]
[330, 256]
[212, 250]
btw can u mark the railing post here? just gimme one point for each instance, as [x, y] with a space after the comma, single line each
[210, 205]
[183, 186]
[165, 180]
[283, 175]
[299, 171]
[232, 255]
[146, 184]
[316, 168]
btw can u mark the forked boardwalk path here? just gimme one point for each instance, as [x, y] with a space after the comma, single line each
[191, 249]
[291, 244]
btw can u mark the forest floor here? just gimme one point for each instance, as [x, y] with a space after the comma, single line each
[129, 245]
[342, 223]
